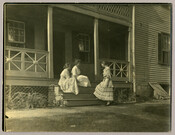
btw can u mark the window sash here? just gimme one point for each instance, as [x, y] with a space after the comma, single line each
[84, 46]
[16, 31]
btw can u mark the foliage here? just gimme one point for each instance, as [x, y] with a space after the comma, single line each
[27, 100]
[124, 95]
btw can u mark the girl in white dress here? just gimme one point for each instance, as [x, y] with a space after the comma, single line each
[104, 90]
[68, 84]
[81, 79]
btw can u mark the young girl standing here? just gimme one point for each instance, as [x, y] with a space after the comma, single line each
[104, 90]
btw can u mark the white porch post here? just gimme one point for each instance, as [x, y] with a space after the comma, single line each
[50, 41]
[96, 49]
[133, 49]
[129, 54]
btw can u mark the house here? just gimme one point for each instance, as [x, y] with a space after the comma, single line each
[40, 38]
[152, 47]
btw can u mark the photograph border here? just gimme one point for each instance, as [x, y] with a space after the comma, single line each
[90, 1]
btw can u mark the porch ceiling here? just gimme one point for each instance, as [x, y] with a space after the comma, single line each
[77, 21]
[72, 20]
[112, 28]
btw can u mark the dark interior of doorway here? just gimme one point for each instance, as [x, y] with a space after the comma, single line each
[113, 40]
[58, 52]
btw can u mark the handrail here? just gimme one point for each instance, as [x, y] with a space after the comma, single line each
[25, 49]
[113, 60]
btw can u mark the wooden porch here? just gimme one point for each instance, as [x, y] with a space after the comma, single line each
[38, 67]
[32, 63]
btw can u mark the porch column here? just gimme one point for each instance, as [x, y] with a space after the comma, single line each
[96, 49]
[133, 49]
[129, 54]
[50, 41]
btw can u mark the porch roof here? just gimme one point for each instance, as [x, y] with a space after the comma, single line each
[120, 14]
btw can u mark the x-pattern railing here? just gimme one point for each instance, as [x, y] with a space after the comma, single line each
[10, 60]
[25, 60]
[119, 69]
[35, 62]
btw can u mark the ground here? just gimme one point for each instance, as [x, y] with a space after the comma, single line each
[150, 116]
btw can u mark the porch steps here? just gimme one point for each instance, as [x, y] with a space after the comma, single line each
[86, 90]
[86, 96]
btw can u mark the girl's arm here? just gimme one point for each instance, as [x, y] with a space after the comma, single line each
[74, 72]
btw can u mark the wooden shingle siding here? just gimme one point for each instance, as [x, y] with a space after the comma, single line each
[151, 20]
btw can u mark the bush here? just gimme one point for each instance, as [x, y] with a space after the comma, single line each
[27, 100]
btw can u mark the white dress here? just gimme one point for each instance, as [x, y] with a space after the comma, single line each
[104, 90]
[82, 80]
[68, 84]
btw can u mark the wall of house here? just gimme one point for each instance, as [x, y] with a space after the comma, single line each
[40, 36]
[35, 27]
[159, 22]
[150, 20]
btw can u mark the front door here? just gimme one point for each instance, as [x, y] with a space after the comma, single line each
[58, 52]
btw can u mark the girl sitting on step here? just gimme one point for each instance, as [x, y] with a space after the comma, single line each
[81, 79]
[104, 90]
[68, 84]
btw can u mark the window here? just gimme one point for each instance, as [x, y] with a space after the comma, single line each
[84, 47]
[16, 32]
[164, 48]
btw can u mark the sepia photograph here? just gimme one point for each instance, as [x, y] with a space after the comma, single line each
[87, 67]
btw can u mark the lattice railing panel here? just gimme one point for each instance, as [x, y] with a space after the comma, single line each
[13, 60]
[35, 62]
[26, 60]
[119, 69]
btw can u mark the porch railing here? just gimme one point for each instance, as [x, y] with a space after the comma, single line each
[119, 69]
[26, 62]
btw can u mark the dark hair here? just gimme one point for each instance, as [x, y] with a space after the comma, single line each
[77, 61]
[66, 65]
[104, 63]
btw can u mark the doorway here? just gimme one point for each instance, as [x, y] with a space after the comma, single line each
[58, 52]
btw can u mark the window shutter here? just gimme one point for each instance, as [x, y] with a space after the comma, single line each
[164, 49]
[169, 48]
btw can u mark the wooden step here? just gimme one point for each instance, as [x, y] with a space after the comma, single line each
[83, 102]
[79, 96]
[86, 90]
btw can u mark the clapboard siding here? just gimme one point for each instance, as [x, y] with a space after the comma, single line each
[141, 46]
[150, 20]
[157, 72]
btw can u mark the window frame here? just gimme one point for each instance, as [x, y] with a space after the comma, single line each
[23, 29]
[162, 49]
[88, 51]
